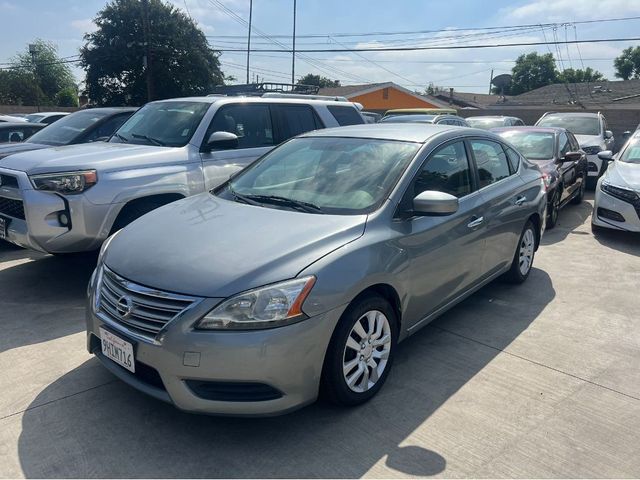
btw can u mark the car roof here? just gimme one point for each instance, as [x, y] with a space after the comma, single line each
[13, 125]
[49, 113]
[224, 99]
[570, 114]
[108, 109]
[490, 117]
[407, 132]
[530, 129]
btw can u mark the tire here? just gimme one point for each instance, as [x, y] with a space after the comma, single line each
[526, 247]
[132, 212]
[552, 217]
[341, 353]
[592, 182]
[577, 200]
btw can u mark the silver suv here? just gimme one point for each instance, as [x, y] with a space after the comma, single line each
[70, 199]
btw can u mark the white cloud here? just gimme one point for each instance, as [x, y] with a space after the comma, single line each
[568, 10]
[85, 25]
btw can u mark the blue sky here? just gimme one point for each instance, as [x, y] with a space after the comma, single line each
[65, 21]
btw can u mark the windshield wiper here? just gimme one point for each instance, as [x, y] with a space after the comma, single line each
[288, 202]
[155, 141]
[242, 198]
[121, 137]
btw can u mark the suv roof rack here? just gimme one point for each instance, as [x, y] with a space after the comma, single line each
[259, 89]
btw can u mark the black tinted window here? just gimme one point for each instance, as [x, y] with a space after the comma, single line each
[491, 161]
[346, 115]
[563, 144]
[447, 170]
[293, 120]
[251, 123]
[514, 159]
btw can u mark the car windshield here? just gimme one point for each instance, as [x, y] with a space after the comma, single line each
[170, 124]
[408, 118]
[533, 145]
[343, 176]
[575, 124]
[631, 154]
[68, 128]
[485, 123]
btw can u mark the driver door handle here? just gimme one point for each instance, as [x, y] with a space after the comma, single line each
[475, 223]
[520, 200]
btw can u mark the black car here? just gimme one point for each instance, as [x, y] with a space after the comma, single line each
[563, 163]
[18, 131]
[83, 126]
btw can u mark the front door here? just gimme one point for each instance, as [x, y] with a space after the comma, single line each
[567, 169]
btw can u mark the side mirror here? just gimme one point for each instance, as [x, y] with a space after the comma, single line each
[434, 203]
[221, 141]
[626, 134]
[572, 157]
[608, 134]
[606, 155]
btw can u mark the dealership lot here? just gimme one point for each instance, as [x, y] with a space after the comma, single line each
[532, 381]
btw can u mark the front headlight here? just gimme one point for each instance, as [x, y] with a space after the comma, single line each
[594, 150]
[265, 307]
[68, 182]
[621, 193]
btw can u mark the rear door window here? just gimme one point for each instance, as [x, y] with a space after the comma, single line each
[292, 120]
[346, 115]
[250, 122]
[491, 161]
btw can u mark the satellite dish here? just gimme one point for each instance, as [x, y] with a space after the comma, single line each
[501, 82]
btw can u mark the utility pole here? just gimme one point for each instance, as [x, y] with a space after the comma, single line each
[249, 37]
[33, 50]
[146, 60]
[490, 81]
[293, 58]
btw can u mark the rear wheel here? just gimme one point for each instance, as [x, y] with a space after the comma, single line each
[361, 352]
[523, 258]
[577, 200]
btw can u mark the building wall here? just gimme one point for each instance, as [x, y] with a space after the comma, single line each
[388, 98]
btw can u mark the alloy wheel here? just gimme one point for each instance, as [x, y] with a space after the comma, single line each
[527, 247]
[367, 351]
[555, 208]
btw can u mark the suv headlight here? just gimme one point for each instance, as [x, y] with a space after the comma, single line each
[621, 193]
[592, 150]
[265, 307]
[67, 182]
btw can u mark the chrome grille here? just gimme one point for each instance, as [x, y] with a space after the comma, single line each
[140, 309]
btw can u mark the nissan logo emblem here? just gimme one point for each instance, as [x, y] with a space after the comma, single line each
[124, 306]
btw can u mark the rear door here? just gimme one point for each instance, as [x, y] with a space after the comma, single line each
[567, 169]
[445, 252]
[503, 192]
[253, 125]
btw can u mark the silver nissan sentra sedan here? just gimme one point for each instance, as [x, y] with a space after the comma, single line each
[302, 273]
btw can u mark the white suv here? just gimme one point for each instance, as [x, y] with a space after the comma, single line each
[70, 199]
[592, 133]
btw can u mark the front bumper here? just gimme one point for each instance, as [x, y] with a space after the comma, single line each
[611, 212]
[594, 166]
[41, 229]
[287, 360]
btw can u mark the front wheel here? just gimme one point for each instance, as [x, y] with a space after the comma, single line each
[577, 200]
[523, 258]
[554, 208]
[361, 352]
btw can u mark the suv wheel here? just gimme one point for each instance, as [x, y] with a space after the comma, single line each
[361, 352]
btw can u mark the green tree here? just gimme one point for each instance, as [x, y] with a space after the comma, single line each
[570, 75]
[627, 65]
[181, 61]
[67, 97]
[322, 82]
[35, 78]
[532, 71]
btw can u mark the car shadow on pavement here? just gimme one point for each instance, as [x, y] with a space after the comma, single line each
[113, 431]
[570, 218]
[627, 242]
[42, 296]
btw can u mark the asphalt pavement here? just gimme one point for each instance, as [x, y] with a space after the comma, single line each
[538, 380]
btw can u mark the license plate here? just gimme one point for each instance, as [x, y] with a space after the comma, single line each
[118, 350]
[3, 228]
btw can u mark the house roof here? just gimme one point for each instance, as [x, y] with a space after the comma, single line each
[350, 91]
[473, 100]
[622, 92]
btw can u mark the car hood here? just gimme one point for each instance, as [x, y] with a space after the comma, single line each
[624, 174]
[11, 148]
[589, 140]
[98, 155]
[210, 247]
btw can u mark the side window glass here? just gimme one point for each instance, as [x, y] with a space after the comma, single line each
[293, 120]
[563, 144]
[447, 170]
[346, 115]
[107, 128]
[251, 123]
[514, 159]
[519, 123]
[491, 161]
[16, 136]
